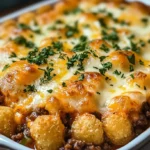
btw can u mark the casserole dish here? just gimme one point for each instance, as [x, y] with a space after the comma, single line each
[131, 145]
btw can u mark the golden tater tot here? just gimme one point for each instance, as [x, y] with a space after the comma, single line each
[48, 132]
[88, 128]
[7, 123]
[118, 128]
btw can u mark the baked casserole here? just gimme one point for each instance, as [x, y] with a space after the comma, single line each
[76, 75]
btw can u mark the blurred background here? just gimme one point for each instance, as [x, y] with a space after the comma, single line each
[8, 6]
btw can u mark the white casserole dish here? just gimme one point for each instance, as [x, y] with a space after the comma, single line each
[4, 141]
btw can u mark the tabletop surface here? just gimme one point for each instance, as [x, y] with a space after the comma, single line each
[10, 10]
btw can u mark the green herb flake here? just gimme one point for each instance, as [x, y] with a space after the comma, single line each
[50, 91]
[102, 58]
[81, 77]
[30, 88]
[98, 93]
[131, 59]
[131, 68]
[12, 55]
[5, 67]
[132, 76]
[64, 84]
[107, 65]
[141, 62]
[104, 48]
[116, 72]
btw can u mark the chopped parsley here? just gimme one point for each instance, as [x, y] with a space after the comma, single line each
[20, 40]
[50, 91]
[12, 55]
[40, 57]
[107, 65]
[102, 58]
[131, 59]
[64, 84]
[58, 45]
[30, 88]
[131, 68]
[23, 26]
[5, 67]
[134, 47]
[132, 76]
[104, 48]
[113, 36]
[81, 77]
[82, 46]
[72, 30]
[116, 72]
[47, 75]
[98, 93]
[141, 62]
[77, 59]
[145, 20]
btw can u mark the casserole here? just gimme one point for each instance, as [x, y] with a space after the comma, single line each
[88, 76]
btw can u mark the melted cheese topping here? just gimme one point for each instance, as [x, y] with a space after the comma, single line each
[103, 38]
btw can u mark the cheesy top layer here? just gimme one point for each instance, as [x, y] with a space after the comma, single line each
[84, 58]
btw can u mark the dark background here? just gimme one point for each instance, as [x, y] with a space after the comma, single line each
[8, 6]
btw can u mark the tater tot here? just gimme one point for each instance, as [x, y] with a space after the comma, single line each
[48, 132]
[88, 128]
[7, 123]
[118, 128]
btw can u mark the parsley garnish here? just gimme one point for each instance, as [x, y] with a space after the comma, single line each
[131, 59]
[5, 67]
[58, 45]
[132, 76]
[80, 47]
[102, 58]
[41, 57]
[47, 75]
[98, 93]
[104, 48]
[71, 30]
[12, 55]
[30, 88]
[22, 41]
[107, 65]
[131, 68]
[141, 62]
[50, 91]
[81, 77]
[110, 37]
[64, 84]
[116, 72]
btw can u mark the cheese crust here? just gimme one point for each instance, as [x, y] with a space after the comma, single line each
[83, 67]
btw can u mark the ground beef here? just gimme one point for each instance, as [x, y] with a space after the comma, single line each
[73, 144]
[38, 112]
[21, 132]
[17, 137]
[2, 98]
[143, 122]
[146, 109]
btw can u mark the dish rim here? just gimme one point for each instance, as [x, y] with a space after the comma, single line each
[4, 141]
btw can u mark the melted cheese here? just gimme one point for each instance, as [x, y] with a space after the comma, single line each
[116, 85]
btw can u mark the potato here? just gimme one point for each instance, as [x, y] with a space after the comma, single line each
[7, 123]
[88, 128]
[48, 132]
[118, 128]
